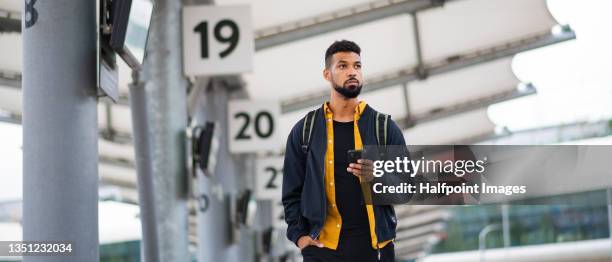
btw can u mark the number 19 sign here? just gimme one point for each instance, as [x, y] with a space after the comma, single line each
[217, 40]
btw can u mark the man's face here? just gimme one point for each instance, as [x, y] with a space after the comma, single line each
[344, 73]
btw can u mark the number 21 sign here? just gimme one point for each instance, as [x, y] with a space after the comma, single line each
[217, 40]
[269, 178]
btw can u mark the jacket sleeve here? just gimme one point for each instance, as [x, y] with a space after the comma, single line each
[294, 169]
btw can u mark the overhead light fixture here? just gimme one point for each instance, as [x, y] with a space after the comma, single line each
[130, 24]
[123, 29]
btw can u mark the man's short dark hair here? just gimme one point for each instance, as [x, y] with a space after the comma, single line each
[340, 46]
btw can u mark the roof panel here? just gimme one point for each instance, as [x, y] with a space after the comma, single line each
[112, 173]
[390, 101]
[288, 10]
[295, 68]
[115, 150]
[122, 119]
[10, 52]
[125, 76]
[464, 126]
[101, 116]
[10, 99]
[11, 5]
[462, 26]
[460, 86]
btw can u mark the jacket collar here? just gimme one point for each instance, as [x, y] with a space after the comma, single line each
[359, 109]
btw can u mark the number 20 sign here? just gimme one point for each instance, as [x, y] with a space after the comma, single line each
[217, 40]
[254, 126]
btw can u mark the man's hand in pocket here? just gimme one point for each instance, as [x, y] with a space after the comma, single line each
[305, 241]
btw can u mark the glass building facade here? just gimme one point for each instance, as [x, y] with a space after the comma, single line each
[583, 216]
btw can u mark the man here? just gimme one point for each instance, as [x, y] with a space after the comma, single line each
[324, 205]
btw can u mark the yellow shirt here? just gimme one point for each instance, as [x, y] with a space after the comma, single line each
[330, 234]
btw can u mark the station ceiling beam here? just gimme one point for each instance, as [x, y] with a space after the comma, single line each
[550, 134]
[338, 19]
[10, 79]
[452, 63]
[10, 21]
[438, 113]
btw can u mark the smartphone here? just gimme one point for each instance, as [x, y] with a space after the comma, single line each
[353, 155]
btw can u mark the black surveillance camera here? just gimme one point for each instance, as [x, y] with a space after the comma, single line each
[202, 145]
[245, 208]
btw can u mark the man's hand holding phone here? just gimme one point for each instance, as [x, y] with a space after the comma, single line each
[361, 168]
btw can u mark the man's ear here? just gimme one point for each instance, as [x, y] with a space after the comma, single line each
[327, 74]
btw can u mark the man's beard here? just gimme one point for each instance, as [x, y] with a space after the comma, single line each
[348, 92]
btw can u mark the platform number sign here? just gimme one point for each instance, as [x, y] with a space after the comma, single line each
[254, 126]
[31, 14]
[217, 40]
[269, 178]
[278, 214]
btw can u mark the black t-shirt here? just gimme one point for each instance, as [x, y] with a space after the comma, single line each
[349, 197]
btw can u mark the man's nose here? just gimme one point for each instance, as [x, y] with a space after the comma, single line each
[352, 73]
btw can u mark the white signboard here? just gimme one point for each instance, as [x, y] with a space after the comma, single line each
[254, 126]
[278, 214]
[217, 40]
[269, 178]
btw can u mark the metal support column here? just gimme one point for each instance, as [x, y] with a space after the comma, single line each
[60, 129]
[406, 93]
[144, 167]
[506, 224]
[421, 72]
[218, 240]
[609, 193]
[217, 237]
[166, 91]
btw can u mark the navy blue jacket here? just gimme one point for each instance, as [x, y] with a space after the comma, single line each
[303, 194]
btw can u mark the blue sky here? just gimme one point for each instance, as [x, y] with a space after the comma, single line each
[573, 79]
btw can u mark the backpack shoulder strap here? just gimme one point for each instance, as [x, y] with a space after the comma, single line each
[309, 121]
[381, 128]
